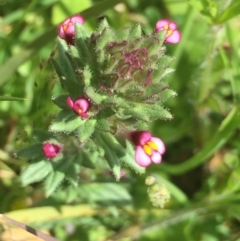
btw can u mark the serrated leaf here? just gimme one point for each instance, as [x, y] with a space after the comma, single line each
[66, 121]
[68, 78]
[86, 130]
[122, 34]
[154, 89]
[87, 159]
[167, 94]
[102, 125]
[105, 37]
[129, 160]
[41, 135]
[72, 174]
[30, 152]
[147, 112]
[52, 182]
[113, 144]
[81, 43]
[57, 175]
[35, 172]
[102, 25]
[94, 96]
[109, 154]
[59, 72]
[135, 32]
[61, 101]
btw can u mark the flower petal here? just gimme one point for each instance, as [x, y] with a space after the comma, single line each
[144, 137]
[156, 157]
[83, 104]
[61, 32]
[77, 19]
[161, 23]
[174, 38]
[172, 25]
[70, 31]
[70, 102]
[141, 157]
[160, 144]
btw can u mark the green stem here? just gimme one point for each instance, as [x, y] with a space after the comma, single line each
[225, 131]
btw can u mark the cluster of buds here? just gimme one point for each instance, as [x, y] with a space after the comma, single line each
[113, 84]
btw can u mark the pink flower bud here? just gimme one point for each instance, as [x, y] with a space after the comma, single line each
[79, 106]
[148, 148]
[172, 34]
[66, 29]
[51, 150]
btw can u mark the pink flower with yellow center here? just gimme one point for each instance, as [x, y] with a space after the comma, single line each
[172, 34]
[66, 29]
[51, 150]
[79, 106]
[148, 148]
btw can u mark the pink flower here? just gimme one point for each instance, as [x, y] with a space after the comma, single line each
[66, 29]
[51, 150]
[148, 149]
[79, 106]
[172, 34]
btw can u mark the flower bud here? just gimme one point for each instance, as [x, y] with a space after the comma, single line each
[66, 29]
[51, 150]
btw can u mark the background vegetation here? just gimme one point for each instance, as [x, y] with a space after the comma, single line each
[201, 167]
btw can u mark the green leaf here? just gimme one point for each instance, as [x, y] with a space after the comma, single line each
[94, 96]
[136, 32]
[167, 94]
[61, 101]
[88, 158]
[226, 130]
[35, 172]
[68, 78]
[95, 192]
[86, 130]
[41, 135]
[52, 182]
[154, 89]
[147, 112]
[102, 25]
[66, 121]
[9, 98]
[109, 155]
[113, 144]
[72, 174]
[81, 43]
[122, 34]
[102, 125]
[105, 37]
[129, 161]
[58, 174]
[30, 152]
[59, 72]
[230, 12]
